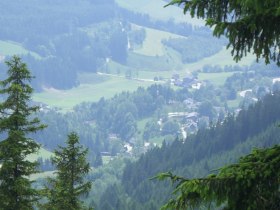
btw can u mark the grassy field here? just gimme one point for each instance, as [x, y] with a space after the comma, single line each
[66, 99]
[153, 59]
[155, 9]
[152, 45]
[141, 126]
[157, 140]
[42, 153]
[235, 103]
[216, 78]
[153, 55]
[222, 58]
[94, 86]
[8, 48]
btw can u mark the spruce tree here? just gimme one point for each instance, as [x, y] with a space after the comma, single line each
[65, 189]
[16, 122]
[249, 26]
[252, 183]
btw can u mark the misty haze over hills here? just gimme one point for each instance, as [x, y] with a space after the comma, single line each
[146, 88]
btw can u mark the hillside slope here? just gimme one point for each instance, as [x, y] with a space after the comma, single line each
[209, 149]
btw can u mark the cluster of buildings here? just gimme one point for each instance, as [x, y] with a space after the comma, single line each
[188, 81]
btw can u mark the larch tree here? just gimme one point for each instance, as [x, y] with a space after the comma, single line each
[65, 189]
[16, 122]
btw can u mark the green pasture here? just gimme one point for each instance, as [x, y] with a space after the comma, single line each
[148, 63]
[141, 126]
[152, 45]
[163, 74]
[222, 59]
[141, 123]
[94, 86]
[157, 140]
[9, 48]
[215, 78]
[67, 99]
[42, 153]
[235, 103]
[153, 55]
[155, 9]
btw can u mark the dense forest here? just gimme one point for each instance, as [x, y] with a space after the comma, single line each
[196, 156]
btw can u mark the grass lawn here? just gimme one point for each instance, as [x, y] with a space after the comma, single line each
[9, 48]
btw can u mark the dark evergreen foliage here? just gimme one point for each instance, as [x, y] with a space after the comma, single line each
[248, 25]
[208, 149]
[66, 188]
[252, 183]
[16, 123]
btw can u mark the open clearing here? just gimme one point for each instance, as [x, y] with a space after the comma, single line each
[155, 9]
[222, 59]
[9, 48]
[42, 153]
[152, 45]
[215, 78]
[67, 99]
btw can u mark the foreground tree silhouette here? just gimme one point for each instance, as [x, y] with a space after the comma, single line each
[251, 25]
[16, 123]
[65, 189]
[252, 183]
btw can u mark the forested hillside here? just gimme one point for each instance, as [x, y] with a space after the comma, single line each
[139, 89]
[59, 41]
[197, 155]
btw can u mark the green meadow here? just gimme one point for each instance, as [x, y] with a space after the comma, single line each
[89, 92]
[152, 45]
[215, 78]
[156, 10]
[221, 58]
[42, 153]
[9, 48]
[144, 63]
